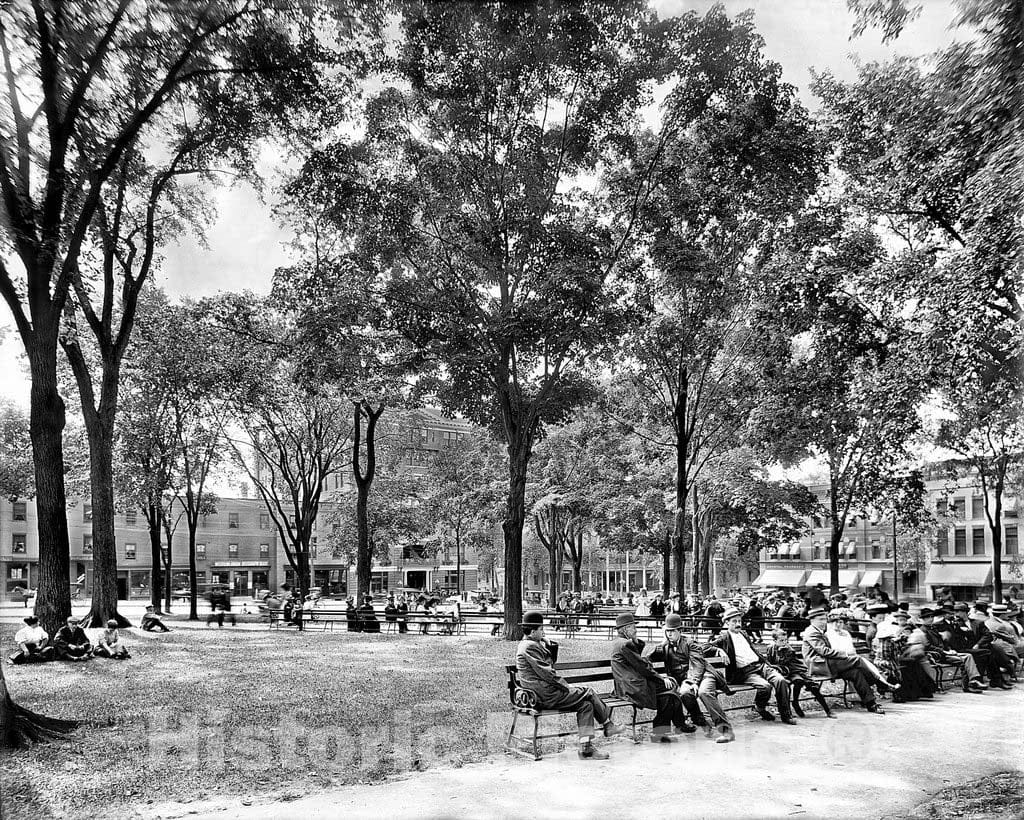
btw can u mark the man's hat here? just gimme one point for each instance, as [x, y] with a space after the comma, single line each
[532, 620]
[948, 606]
[836, 615]
[981, 606]
[625, 619]
[901, 613]
[112, 623]
[927, 612]
[960, 607]
[731, 612]
[877, 609]
[673, 621]
[31, 620]
[999, 608]
[71, 619]
[818, 610]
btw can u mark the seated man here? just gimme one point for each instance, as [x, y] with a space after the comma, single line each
[747, 665]
[110, 644]
[535, 665]
[391, 611]
[367, 616]
[824, 661]
[638, 682]
[781, 655]
[33, 643]
[71, 642]
[1005, 636]
[713, 682]
[937, 651]
[151, 623]
[684, 662]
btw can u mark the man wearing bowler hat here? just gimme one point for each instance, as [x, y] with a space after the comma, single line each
[684, 662]
[638, 682]
[748, 665]
[535, 665]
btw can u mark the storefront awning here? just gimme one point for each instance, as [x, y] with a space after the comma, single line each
[959, 575]
[847, 577]
[780, 578]
[870, 578]
[241, 564]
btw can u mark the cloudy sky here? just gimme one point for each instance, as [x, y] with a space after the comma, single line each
[244, 245]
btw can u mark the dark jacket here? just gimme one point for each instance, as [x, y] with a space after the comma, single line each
[724, 642]
[683, 661]
[535, 667]
[635, 677]
[66, 636]
[787, 661]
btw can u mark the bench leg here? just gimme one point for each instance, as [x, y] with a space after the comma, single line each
[512, 730]
[633, 726]
[536, 749]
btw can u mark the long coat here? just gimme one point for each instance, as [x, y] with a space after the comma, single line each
[821, 659]
[635, 677]
[535, 668]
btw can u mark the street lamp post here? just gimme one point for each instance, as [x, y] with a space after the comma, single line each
[895, 564]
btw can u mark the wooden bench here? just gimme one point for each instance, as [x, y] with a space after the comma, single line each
[577, 672]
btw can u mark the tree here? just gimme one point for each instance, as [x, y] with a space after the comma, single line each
[465, 194]
[16, 472]
[462, 495]
[688, 372]
[849, 393]
[119, 85]
[936, 153]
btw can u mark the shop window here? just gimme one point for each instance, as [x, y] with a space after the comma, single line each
[87, 544]
[201, 551]
[942, 543]
[978, 541]
[232, 521]
[1010, 540]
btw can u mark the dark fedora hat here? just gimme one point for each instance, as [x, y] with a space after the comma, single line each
[532, 620]
[31, 620]
[673, 621]
[625, 619]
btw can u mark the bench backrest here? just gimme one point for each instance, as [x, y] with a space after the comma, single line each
[573, 671]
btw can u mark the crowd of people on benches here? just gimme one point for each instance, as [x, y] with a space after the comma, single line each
[906, 653]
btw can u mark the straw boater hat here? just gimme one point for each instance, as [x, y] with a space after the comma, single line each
[731, 612]
[818, 610]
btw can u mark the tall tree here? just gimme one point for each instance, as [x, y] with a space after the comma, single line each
[688, 373]
[105, 100]
[469, 194]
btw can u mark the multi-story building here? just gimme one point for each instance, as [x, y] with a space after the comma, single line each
[960, 557]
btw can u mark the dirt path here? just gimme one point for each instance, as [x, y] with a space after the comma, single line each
[861, 765]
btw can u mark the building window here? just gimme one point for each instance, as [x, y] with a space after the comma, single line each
[264, 550]
[264, 521]
[201, 551]
[1010, 508]
[960, 541]
[130, 517]
[129, 552]
[876, 549]
[940, 506]
[233, 550]
[956, 508]
[87, 513]
[87, 544]
[232, 521]
[942, 543]
[977, 507]
[1010, 540]
[817, 552]
[978, 541]
[18, 542]
[19, 509]
[312, 546]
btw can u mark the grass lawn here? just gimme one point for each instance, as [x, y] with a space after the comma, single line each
[207, 713]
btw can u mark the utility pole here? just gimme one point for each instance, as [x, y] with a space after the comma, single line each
[895, 564]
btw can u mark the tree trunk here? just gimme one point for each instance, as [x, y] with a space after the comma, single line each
[364, 481]
[512, 530]
[154, 521]
[104, 549]
[552, 576]
[169, 571]
[20, 727]
[695, 539]
[995, 526]
[707, 548]
[577, 564]
[46, 426]
[666, 566]
[193, 581]
[838, 525]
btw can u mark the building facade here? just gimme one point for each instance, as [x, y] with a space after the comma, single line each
[960, 557]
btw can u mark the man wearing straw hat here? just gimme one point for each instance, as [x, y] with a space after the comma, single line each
[535, 665]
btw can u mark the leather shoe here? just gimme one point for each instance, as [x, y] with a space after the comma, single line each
[662, 739]
[727, 736]
[685, 729]
[876, 709]
[709, 730]
[790, 720]
[766, 715]
[588, 752]
[612, 729]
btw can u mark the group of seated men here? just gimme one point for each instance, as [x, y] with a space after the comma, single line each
[694, 675]
[69, 644]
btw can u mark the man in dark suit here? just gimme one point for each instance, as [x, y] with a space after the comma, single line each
[822, 660]
[748, 665]
[638, 682]
[535, 667]
[683, 661]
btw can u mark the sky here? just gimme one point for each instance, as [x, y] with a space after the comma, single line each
[244, 245]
